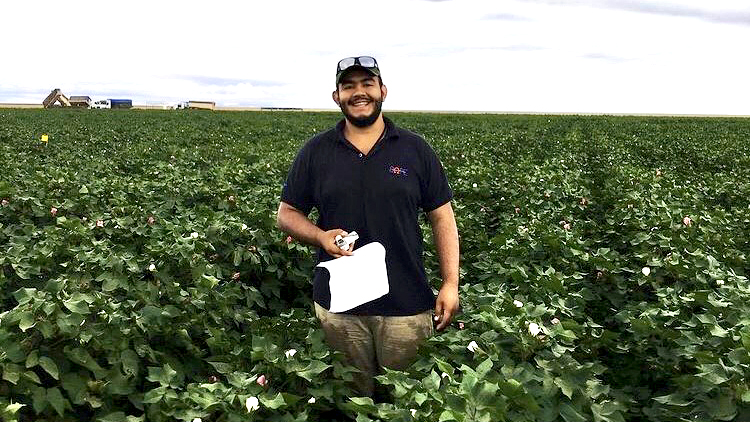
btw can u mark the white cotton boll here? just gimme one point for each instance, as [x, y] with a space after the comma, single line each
[194, 235]
[289, 353]
[534, 329]
[646, 271]
[518, 303]
[473, 346]
[152, 267]
[252, 404]
[312, 400]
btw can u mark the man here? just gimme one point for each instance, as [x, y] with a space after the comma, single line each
[370, 176]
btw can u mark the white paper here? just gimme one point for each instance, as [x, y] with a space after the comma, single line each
[357, 279]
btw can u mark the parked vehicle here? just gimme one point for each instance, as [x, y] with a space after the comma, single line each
[113, 103]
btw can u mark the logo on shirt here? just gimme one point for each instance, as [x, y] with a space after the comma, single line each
[398, 170]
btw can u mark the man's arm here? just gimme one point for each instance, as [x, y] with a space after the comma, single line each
[445, 232]
[294, 222]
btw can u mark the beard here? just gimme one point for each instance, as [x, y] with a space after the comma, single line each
[363, 121]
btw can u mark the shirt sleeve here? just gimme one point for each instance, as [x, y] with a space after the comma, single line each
[298, 187]
[435, 190]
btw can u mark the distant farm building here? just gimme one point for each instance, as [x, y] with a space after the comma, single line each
[80, 101]
[203, 105]
[56, 99]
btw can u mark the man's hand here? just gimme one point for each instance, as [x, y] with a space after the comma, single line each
[327, 241]
[446, 305]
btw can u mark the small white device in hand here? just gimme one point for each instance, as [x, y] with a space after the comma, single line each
[344, 242]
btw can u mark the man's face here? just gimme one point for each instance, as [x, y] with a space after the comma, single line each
[360, 96]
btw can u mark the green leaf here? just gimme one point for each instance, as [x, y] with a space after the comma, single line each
[32, 376]
[75, 386]
[713, 373]
[223, 367]
[12, 372]
[114, 417]
[50, 366]
[129, 361]
[33, 359]
[39, 399]
[276, 403]
[484, 368]
[567, 387]
[77, 306]
[84, 190]
[570, 414]
[363, 404]
[312, 370]
[675, 399]
[607, 412]
[447, 415]
[55, 398]
[26, 321]
[163, 375]
[24, 295]
[83, 358]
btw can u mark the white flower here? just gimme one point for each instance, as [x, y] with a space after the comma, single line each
[291, 352]
[720, 282]
[473, 346]
[474, 185]
[152, 267]
[444, 375]
[194, 235]
[646, 271]
[197, 420]
[252, 403]
[312, 400]
[534, 329]
[413, 412]
[244, 226]
[555, 321]
[518, 303]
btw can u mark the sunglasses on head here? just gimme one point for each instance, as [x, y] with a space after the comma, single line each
[364, 61]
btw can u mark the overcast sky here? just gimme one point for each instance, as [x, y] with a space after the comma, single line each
[608, 56]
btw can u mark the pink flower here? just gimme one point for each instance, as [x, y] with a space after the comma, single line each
[236, 276]
[151, 220]
[687, 221]
[289, 239]
[461, 325]
[231, 198]
[566, 226]
[262, 381]
[53, 211]
[99, 223]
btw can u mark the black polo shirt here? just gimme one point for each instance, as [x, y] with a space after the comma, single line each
[379, 195]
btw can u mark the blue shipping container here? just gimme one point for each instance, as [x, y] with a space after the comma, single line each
[120, 103]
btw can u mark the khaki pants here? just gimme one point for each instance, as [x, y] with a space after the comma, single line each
[371, 342]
